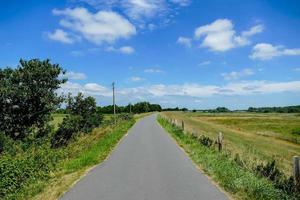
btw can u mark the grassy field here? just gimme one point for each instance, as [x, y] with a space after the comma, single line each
[256, 138]
[238, 181]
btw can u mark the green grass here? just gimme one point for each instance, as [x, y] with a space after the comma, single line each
[98, 151]
[255, 137]
[63, 165]
[239, 182]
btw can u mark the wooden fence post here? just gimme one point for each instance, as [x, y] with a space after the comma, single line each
[182, 125]
[220, 141]
[296, 171]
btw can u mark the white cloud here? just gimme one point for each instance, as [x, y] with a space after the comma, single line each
[184, 41]
[265, 51]
[234, 75]
[136, 79]
[153, 70]
[61, 36]
[194, 90]
[92, 89]
[99, 27]
[75, 75]
[144, 13]
[204, 63]
[254, 30]
[137, 9]
[124, 49]
[221, 36]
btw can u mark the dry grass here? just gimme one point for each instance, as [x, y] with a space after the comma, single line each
[255, 137]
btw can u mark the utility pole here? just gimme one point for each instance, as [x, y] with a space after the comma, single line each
[113, 86]
[130, 108]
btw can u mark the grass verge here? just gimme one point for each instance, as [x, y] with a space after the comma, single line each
[74, 161]
[239, 182]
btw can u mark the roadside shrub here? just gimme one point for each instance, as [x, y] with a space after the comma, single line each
[125, 116]
[270, 170]
[296, 131]
[206, 141]
[18, 171]
[67, 130]
[279, 180]
[92, 121]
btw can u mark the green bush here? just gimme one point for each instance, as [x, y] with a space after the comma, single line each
[17, 171]
[206, 141]
[67, 130]
[280, 181]
[296, 131]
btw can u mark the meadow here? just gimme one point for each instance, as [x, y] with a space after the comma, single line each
[254, 138]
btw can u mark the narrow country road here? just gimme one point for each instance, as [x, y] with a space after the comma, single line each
[146, 165]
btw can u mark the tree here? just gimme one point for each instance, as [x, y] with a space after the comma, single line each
[28, 96]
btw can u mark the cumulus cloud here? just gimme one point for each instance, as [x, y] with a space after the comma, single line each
[99, 27]
[265, 51]
[61, 36]
[187, 42]
[193, 90]
[221, 36]
[234, 75]
[75, 75]
[123, 49]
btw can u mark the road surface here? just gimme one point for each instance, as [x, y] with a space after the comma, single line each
[146, 165]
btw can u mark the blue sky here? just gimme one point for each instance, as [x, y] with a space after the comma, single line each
[195, 54]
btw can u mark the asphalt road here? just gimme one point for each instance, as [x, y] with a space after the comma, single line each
[146, 165]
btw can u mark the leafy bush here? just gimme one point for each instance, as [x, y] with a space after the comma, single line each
[83, 117]
[206, 141]
[125, 116]
[296, 131]
[17, 171]
[67, 130]
[280, 181]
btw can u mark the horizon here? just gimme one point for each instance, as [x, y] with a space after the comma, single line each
[176, 53]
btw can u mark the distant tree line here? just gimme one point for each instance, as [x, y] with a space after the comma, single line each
[175, 109]
[285, 109]
[217, 110]
[140, 107]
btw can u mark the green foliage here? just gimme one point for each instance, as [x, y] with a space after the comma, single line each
[206, 141]
[140, 107]
[18, 171]
[271, 172]
[285, 109]
[83, 117]
[67, 130]
[27, 96]
[296, 131]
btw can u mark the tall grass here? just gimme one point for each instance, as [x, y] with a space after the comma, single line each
[238, 181]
